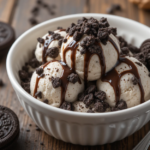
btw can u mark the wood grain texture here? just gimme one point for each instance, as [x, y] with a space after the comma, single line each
[31, 140]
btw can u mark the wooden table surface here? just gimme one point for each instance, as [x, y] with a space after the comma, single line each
[17, 13]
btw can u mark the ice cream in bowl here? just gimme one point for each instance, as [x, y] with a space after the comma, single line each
[84, 77]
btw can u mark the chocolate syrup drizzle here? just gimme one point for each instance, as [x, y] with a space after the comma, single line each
[64, 82]
[113, 77]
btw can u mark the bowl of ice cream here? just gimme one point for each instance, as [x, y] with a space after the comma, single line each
[83, 84]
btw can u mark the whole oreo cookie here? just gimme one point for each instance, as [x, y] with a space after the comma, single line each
[9, 128]
[7, 37]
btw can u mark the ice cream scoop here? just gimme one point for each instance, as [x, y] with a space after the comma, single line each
[55, 83]
[48, 47]
[128, 81]
[90, 65]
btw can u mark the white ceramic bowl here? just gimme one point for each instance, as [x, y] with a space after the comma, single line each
[74, 127]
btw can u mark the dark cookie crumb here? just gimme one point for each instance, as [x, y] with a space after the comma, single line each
[60, 42]
[42, 75]
[103, 35]
[91, 89]
[88, 99]
[99, 107]
[56, 82]
[39, 71]
[59, 28]
[33, 21]
[73, 78]
[95, 49]
[1, 82]
[65, 40]
[35, 11]
[138, 63]
[125, 50]
[34, 63]
[23, 75]
[40, 40]
[101, 95]
[120, 106]
[134, 80]
[83, 51]
[26, 86]
[66, 106]
[45, 101]
[52, 52]
[81, 96]
[90, 111]
[50, 32]
[56, 36]
[77, 36]
[38, 94]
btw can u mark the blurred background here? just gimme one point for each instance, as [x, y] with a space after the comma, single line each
[24, 14]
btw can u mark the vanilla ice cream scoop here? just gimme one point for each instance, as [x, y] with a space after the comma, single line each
[51, 83]
[128, 81]
[90, 65]
[48, 47]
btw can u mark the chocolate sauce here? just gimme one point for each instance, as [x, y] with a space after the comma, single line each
[73, 47]
[64, 82]
[113, 78]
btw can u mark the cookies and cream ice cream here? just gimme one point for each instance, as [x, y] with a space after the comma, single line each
[88, 68]
[48, 47]
[55, 82]
[128, 81]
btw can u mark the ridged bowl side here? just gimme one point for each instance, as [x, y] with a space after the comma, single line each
[85, 134]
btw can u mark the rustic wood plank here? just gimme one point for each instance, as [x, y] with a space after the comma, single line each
[6, 8]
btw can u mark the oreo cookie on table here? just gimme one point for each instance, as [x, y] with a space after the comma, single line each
[7, 37]
[9, 128]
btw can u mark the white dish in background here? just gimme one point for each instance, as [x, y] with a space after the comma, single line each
[75, 127]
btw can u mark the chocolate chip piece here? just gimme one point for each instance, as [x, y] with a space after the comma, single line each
[23, 75]
[66, 106]
[133, 49]
[39, 71]
[123, 42]
[110, 10]
[88, 99]
[91, 89]
[1, 82]
[38, 94]
[72, 30]
[34, 63]
[112, 31]
[77, 36]
[87, 41]
[134, 80]
[73, 78]
[81, 96]
[67, 31]
[99, 107]
[52, 52]
[40, 40]
[103, 23]
[25, 68]
[59, 28]
[65, 40]
[26, 86]
[95, 49]
[56, 36]
[45, 101]
[90, 111]
[103, 35]
[101, 95]
[33, 21]
[83, 51]
[138, 63]
[35, 11]
[60, 42]
[121, 105]
[50, 32]
[56, 82]
[125, 50]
